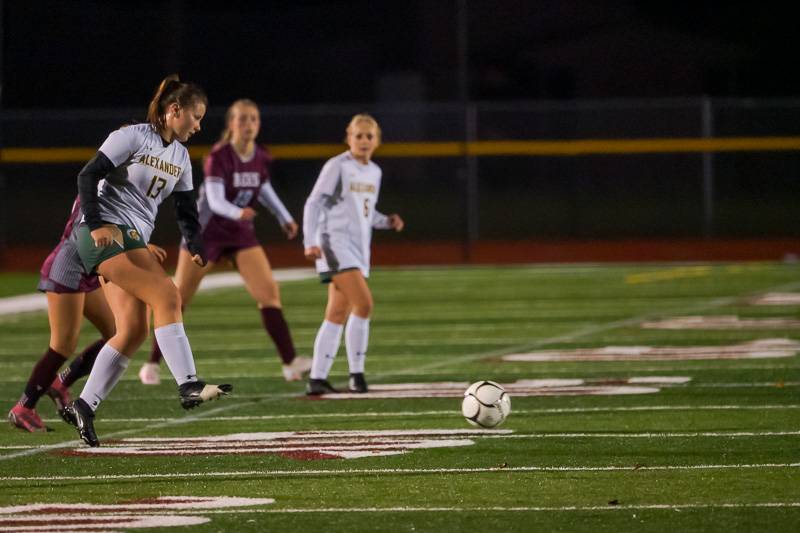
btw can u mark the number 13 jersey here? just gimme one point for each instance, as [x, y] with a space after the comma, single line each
[146, 171]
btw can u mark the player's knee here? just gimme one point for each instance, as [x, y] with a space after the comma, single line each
[269, 302]
[107, 330]
[169, 298]
[64, 344]
[364, 309]
[337, 316]
[129, 337]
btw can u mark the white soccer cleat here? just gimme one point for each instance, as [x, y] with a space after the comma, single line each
[294, 371]
[150, 374]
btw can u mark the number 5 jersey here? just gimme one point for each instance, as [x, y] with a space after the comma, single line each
[340, 213]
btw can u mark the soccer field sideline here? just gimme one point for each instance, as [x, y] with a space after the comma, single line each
[26, 303]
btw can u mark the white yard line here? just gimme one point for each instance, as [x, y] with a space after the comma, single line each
[406, 414]
[599, 328]
[646, 435]
[169, 422]
[598, 435]
[516, 509]
[400, 471]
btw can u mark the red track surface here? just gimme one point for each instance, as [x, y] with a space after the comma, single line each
[507, 252]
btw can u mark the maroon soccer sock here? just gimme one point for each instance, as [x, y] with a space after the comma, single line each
[278, 329]
[155, 352]
[81, 365]
[42, 376]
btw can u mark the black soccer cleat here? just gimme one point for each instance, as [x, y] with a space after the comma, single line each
[83, 415]
[193, 393]
[357, 383]
[318, 387]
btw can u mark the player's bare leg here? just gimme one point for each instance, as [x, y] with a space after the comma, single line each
[188, 276]
[64, 312]
[254, 267]
[137, 281]
[98, 312]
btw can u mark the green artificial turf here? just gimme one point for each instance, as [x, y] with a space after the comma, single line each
[719, 452]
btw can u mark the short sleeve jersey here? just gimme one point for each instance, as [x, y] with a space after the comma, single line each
[146, 172]
[242, 181]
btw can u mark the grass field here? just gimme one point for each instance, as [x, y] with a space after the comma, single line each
[704, 444]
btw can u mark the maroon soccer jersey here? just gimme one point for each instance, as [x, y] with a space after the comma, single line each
[73, 217]
[242, 181]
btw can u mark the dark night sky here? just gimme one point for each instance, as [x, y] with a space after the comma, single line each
[59, 54]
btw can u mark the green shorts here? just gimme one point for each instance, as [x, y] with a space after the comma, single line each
[125, 238]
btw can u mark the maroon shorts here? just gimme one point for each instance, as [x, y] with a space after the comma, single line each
[220, 241]
[62, 272]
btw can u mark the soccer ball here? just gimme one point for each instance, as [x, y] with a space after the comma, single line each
[486, 404]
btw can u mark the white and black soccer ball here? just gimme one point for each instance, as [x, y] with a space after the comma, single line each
[486, 404]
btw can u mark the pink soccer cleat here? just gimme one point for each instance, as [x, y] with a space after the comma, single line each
[26, 419]
[150, 374]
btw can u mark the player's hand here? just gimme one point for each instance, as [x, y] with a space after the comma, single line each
[248, 213]
[158, 252]
[290, 229]
[313, 252]
[102, 237]
[396, 223]
[199, 260]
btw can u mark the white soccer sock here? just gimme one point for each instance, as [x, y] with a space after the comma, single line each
[174, 345]
[326, 345]
[356, 338]
[106, 371]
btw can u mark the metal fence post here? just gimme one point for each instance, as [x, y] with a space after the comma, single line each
[469, 169]
[707, 112]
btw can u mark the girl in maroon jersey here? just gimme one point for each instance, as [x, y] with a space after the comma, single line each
[236, 179]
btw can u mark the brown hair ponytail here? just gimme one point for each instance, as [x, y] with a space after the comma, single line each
[173, 91]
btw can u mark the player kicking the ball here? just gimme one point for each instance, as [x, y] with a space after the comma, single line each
[337, 230]
[140, 166]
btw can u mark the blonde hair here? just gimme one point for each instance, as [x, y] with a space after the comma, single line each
[226, 135]
[363, 117]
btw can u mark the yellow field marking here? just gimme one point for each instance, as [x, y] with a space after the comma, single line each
[559, 148]
[668, 275]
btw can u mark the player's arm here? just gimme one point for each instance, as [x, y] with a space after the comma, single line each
[381, 221]
[189, 224]
[186, 212]
[95, 170]
[215, 194]
[269, 199]
[324, 191]
[115, 150]
[214, 168]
